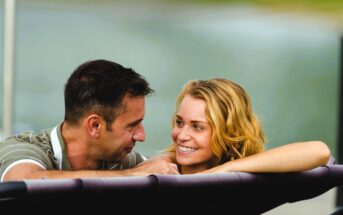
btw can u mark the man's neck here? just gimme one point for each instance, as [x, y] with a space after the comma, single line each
[77, 146]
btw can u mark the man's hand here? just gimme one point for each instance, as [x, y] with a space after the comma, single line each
[156, 165]
[167, 156]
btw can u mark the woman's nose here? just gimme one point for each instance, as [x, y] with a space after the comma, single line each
[184, 134]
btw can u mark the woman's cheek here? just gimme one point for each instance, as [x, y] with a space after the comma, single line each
[174, 134]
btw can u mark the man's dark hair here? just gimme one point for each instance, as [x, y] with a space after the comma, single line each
[100, 86]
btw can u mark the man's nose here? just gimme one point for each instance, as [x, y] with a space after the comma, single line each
[139, 134]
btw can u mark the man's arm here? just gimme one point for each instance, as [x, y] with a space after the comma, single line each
[287, 158]
[33, 171]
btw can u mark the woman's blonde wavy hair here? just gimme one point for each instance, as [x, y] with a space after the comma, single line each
[236, 130]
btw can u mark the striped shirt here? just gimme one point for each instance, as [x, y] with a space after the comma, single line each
[47, 149]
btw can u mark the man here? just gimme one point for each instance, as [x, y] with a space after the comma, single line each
[104, 109]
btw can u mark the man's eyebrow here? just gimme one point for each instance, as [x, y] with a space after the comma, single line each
[134, 123]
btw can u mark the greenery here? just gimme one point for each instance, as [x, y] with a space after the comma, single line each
[331, 10]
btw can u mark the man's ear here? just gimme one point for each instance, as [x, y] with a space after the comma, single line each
[94, 124]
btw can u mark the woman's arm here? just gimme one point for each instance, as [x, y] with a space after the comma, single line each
[291, 157]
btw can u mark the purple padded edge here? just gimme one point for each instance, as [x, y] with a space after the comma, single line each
[89, 184]
[336, 175]
[198, 180]
[52, 185]
[235, 178]
[228, 179]
[263, 191]
[118, 183]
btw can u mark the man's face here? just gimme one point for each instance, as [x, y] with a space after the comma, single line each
[126, 129]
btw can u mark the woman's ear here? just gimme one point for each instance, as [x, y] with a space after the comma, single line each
[94, 125]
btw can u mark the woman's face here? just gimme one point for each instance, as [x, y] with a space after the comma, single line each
[192, 135]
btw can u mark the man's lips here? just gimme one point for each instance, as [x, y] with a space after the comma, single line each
[128, 149]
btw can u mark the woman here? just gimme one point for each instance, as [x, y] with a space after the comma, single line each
[215, 130]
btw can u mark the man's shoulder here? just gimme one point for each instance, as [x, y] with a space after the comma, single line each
[30, 136]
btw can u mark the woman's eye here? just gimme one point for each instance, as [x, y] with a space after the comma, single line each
[178, 123]
[197, 127]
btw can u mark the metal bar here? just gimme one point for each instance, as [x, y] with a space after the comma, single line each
[9, 22]
[339, 197]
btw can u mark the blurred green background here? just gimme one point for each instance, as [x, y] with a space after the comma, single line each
[284, 53]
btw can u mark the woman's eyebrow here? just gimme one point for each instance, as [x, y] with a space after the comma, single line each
[193, 121]
[198, 121]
